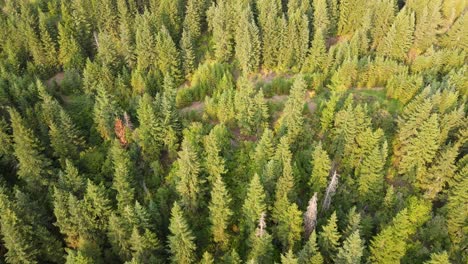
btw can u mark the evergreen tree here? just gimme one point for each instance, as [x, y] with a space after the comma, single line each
[222, 30]
[382, 21]
[207, 258]
[145, 43]
[390, 244]
[188, 182]
[33, 166]
[168, 60]
[399, 38]
[123, 178]
[247, 42]
[321, 21]
[220, 212]
[289, 258]
[264, 150]
[328, 112]
[254, 203]
[187, 51]
[268, 19]
[181, 245]
[105, 112]
[352, 250]
[292, 120]
[310, 252]
[148, 134]
[251, 109]
[317, 55]
[371, 178]
[438, 258]
[321, 166]
[352, 15]
[261, 247]
[328, 237]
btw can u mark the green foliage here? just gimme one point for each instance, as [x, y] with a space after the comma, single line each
[181, 243]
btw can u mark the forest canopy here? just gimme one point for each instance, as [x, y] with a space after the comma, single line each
[233, 131]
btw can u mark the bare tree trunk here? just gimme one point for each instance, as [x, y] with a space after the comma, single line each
[331, 189]
[310, 216]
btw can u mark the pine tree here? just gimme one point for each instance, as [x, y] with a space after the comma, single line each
[247, 42]
[390, 245]
[328, 112]
[219, 212]
[384, 15]
[145, 43]
[321, 166]
[399, 38]
[317, 53]
[105, 112]
[321, 21]
[207, 258]
[168, 60]
[260, 242]
[292, 120]
[310, 253]
[33, 166]
[181, 240]
[148, 134]
[268, 20]
[188, 182]
[352, 250]
[254, 203]
[328, 237]
[371, 178]
[439, 258]
[187, 52]
[123, 178]
[223, 32]
[289, 258]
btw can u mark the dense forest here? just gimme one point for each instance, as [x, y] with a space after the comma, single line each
[233, 131]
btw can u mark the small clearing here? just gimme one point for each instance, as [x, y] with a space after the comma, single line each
[57, 78]
[196, 106]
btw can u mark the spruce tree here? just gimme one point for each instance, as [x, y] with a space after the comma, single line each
[33, 166]
[288, 258]
[247, 42]
[188, 184]
[222, 30]
[268, 19]
[105, 112]
[310, 252]
[292, 120]
[328, 238]
[321, 22]
[123, 181]
[181, 240]
[352, 250]
[187, 52]
[321, 166]
[382, 21]
[254, 203]
[219, 212]
[148, 134]
[207, 258]
[168, 58]
[317, 55]
[399, 38]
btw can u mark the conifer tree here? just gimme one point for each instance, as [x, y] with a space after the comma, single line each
[260, 241]
[148, 134]
[328, 112]
[316, 56]
[219, 212]
[264, 150]
[352, 15]
[352, 250]
[328, 237]
[268, 20]
[321, 166]
[188, 182]
[288, 258]
[123, 178]
[181, 240]
[390, 244]
[247, 42]
[310, 252]
[251, 109]
[70, 180]
[168, 60]
[371, 178]
[382, 20]
[207, 258]
[292, 120]
[321, 22]
[254, 204]
[223, 31]
[399, 38]
[439, 258]
[145, 43]
[33, 166]
[105, 112]
[187, 52]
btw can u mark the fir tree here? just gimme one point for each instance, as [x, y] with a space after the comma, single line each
[254, 204]
[260, 241]
[168, 60]
[321, 21]
[310, 252]
[220, 212]
[123, 181]
[289, 258]
[105, 112]
[352, 250]
[181, 244]
[187, 51]
[439, 258]
[148, 134]
[268, 19]
[247, 43]
[292, 120]
[399, 38]
[33, 166]
[188, 182]
[316, 56]
[223, 32]
[207, 258]
[328, 237]
[321, 166]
